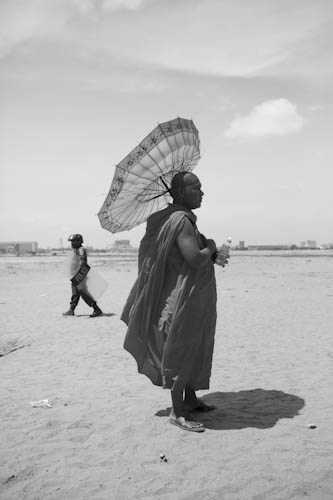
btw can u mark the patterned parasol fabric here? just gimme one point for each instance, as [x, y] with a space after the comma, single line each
[140, 186]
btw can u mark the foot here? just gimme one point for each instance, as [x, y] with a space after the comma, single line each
[68, 313]
[97, 312]
[187, 425]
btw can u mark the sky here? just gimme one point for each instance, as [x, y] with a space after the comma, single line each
[83, 81]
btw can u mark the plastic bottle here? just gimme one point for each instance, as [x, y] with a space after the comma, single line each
[223, 253]
[225, 248]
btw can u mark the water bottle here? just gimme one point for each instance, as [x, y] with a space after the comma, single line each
[225, 248]
[223, 253]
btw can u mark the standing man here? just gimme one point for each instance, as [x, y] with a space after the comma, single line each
[171, 309]
[78, 270]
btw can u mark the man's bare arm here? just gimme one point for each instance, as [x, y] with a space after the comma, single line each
[190, 250]
[83, 257]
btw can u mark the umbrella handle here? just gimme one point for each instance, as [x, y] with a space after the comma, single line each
[165, 185]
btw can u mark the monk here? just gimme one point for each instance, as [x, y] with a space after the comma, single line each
[171, 309]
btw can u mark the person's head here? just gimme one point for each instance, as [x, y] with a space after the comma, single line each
[76, 240]
[186, 190]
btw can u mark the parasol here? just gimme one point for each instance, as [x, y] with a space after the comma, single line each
[140, 186]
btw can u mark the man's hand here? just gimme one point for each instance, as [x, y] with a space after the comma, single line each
[211, 245]
[80, 275]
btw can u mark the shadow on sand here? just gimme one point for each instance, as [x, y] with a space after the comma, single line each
[258, 408]
[105, 315]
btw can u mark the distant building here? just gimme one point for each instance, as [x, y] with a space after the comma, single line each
[241, 245]
[19, 247]
[122, 245]
[268, 247]
[312, 244]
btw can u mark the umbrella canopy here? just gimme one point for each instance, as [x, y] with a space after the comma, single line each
[140, 186]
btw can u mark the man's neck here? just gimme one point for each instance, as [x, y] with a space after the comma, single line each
[178, 205]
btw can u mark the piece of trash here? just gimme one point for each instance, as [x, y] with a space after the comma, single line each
[312, 426]
[10, 478]
[163, 458]
[42, 403]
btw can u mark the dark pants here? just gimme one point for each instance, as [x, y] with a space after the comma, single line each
[76, 294]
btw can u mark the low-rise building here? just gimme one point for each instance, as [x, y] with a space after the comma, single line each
[18, 247]
[268, 247]
[312, 244]
[122, 245]
[241, 245]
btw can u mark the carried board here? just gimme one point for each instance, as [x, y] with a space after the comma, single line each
[85, 279]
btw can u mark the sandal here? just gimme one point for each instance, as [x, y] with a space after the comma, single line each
[187, 425]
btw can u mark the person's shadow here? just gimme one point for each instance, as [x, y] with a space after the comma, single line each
[258, 408]
[105, 315]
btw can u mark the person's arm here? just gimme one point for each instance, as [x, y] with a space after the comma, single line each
[83, 256]
[189, 247]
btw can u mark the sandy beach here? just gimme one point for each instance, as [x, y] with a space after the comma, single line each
[102, 437]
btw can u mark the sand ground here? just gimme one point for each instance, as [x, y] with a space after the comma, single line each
[103, 435]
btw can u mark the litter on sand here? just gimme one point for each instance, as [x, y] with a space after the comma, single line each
[42, 403]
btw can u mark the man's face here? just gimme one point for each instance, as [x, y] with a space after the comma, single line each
[192, 193]
[75, 243]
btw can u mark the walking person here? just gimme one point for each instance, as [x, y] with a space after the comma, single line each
[79, 269]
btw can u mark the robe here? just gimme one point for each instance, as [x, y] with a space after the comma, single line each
[171, 309]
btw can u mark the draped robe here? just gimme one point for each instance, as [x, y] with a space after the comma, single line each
[171, 309]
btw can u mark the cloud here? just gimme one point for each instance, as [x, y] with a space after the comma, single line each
[111, 5]
[315, 107]
[126, 82]
[191, 36]
[274, 117]
[23, 20]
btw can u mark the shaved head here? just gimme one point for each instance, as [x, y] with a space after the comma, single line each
[186, 190]
[178, 182]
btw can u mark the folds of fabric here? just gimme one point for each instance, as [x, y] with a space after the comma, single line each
[171, 309]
